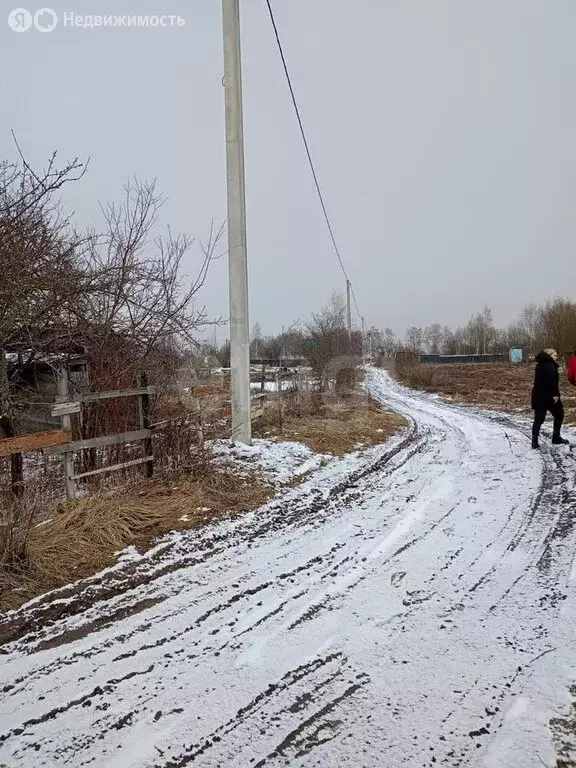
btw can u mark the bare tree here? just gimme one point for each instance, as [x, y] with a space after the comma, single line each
[448, 344]
[414, 339]
[326, 339]
[528, 325]
[555, 326]
[134, 287]
[389, 342]
[40, 279]
[255, 340]
[121, 294]
[375, 340]
[479, 333]
[433, 338]
[273, 347]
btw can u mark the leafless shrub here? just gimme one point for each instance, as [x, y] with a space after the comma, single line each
[326, 342]
[122, 294]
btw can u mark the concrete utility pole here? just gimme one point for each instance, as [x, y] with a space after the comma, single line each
[348, 311]
[237, 260]
[363, 340]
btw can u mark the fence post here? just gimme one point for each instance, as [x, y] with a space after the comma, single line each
[66, 423]
[16, 462]
[200, 424]
[144, 407]
[279, 395]
[7, 425]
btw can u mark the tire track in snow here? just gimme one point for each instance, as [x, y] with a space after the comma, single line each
[310, 632]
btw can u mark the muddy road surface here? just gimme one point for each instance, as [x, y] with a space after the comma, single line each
[407, 606]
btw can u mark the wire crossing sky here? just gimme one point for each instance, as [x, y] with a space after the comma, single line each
[443, 135]
[309, 156]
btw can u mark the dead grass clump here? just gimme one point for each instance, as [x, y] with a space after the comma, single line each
[15, 523]
[564, 734]
[337, 426]
[82, 536]
[420, 376]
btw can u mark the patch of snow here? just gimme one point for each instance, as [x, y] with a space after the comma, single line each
[128, 555]
[272, 386]
[279, 462]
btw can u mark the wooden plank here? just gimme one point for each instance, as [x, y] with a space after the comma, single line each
[65, 409]
[34, 442]
[101, 442]
[226, 412]
[92, 397]
[113, 467]
[176, 423]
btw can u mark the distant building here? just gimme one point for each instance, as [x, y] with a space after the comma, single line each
[285, 362]
[33, 383]
[462, 359]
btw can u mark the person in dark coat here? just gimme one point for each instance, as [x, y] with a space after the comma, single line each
[546, 396]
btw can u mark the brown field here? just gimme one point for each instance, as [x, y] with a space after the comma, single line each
[494, 386]
[336, 426]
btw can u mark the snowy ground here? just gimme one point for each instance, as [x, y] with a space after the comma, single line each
[411, 605]
[277, 461]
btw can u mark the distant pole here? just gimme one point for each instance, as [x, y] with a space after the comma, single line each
[363, 340]
[237, 259]
[349, 311]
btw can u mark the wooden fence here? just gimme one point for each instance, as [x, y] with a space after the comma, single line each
[59, 443]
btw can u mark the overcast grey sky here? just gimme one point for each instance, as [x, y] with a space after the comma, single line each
[443, 133]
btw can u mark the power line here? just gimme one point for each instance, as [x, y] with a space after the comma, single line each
[308, 154]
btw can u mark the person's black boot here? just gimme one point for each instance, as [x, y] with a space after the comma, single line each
[535, 443]
[557, 440]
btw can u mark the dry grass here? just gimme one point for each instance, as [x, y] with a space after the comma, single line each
[564, 734]
[337, 426]
[82, 536]
[502, 387]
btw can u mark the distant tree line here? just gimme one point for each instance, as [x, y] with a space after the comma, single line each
[325, 336]
[551, 324]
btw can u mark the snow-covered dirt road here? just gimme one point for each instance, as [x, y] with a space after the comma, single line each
[411, 605]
